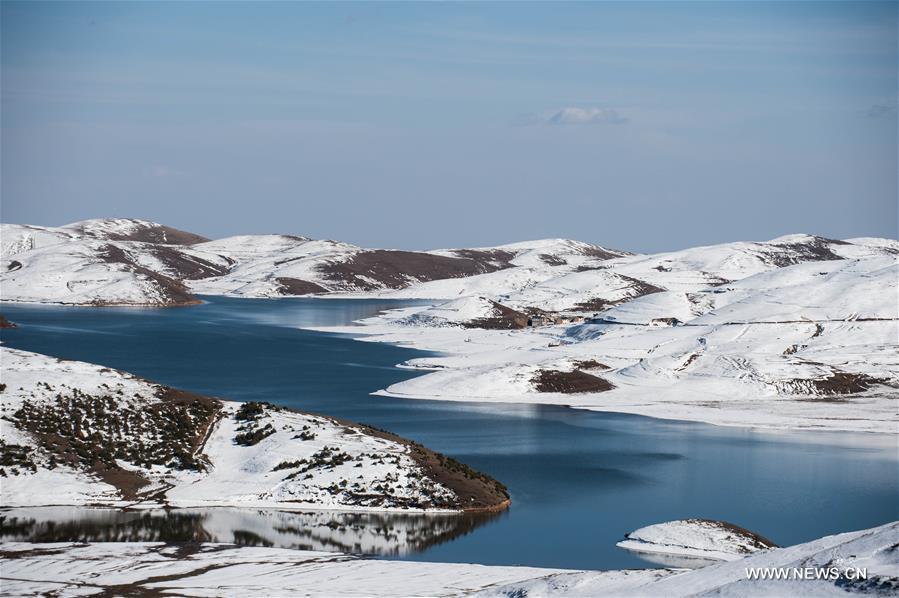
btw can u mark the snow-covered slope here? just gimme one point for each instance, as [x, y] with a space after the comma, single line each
[227, 570]
[699, 539]
[809, 345]
[73, 433]
[135, 262]
[830, 566]
[102, 262]
[277, 265]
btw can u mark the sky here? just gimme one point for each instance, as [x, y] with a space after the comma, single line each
[641, 126]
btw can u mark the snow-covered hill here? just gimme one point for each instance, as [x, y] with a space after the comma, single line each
[799, 331]
[73, 433]
[829, 566]
[102, 262]
[814, 344]
[135, 262]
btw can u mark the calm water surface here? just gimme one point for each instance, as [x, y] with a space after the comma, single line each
[579, 480]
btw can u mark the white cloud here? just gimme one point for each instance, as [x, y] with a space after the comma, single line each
[582, 116]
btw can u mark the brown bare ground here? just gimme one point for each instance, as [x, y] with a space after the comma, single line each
[185, 266]
[174, 292]
[638, 288]
[505, 318]
[160, 234]
[397, 269]
[569, 382]
[590, 364]
[298, 286]
[478, 492]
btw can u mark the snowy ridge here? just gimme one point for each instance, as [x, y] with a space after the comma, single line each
[74, 433]
[135, 262]
[227, 570]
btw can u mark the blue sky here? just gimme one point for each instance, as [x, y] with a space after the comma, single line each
[645, 126]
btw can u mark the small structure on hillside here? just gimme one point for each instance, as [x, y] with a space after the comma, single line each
[536, 320]
[665, 322]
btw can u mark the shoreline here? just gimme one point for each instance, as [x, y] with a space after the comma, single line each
[381, 333]
[425, 480]
[231, 569]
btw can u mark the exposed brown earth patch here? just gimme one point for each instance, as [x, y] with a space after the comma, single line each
[569, 382]
[636, 288]
[188, 267]
[590, 364]
[297, 286]
[4, 323]
[157, 233]
[370, 270]
[816, 250]
[13, 265]
[845, 383]
[601, 253]
[552, 260]
[173, 291]
[503, 318]
[498, 258]
[91, 433]
[476, 491]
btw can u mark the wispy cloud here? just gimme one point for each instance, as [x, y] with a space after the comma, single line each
[572, 116]
[881, 110]
[585, 116]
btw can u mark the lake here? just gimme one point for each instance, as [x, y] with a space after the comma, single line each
[579, 480]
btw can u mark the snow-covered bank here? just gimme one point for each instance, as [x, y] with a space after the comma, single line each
[693, 539]
[226, 570]
[74, 433]
[807, 346]
[829, 566]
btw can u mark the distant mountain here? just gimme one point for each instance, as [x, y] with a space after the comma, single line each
[135, 262]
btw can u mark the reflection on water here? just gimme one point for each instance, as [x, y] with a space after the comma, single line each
[674, 561]
[391, 534]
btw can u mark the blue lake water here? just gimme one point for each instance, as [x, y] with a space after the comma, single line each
[579, 480]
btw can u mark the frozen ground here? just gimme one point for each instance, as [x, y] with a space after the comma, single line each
[226, 570]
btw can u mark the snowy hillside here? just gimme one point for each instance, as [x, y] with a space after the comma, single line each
[102, 262]
[73, 433]
[135, 262]
[833, 563]
[807, 345]
[799, 331]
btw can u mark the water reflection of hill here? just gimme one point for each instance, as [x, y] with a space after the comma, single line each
[334, 531]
